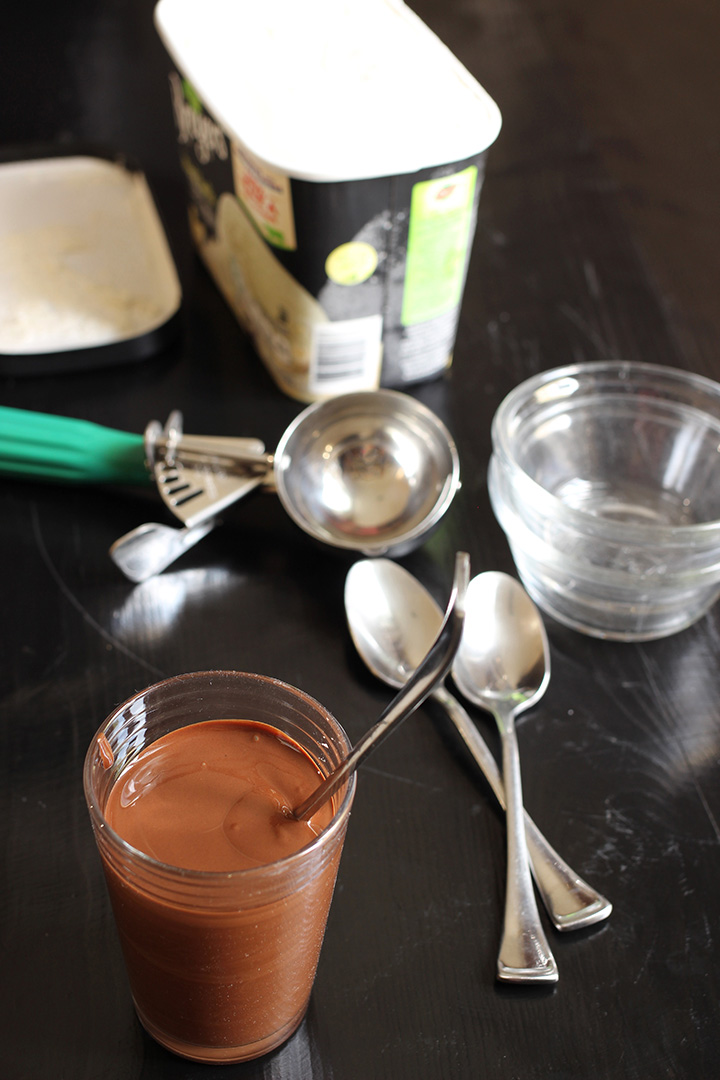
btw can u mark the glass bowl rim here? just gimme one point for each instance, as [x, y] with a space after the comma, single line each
[552, 506]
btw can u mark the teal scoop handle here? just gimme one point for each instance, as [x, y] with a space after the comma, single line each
[45, 447]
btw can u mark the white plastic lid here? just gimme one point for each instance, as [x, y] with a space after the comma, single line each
[84, 263]
[330, 89]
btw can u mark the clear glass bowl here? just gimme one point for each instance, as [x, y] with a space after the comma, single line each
[605, 478]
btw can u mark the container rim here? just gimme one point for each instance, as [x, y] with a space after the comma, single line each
[623, 372]
[225, 877]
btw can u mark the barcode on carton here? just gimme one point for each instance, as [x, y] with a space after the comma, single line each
[346, 356]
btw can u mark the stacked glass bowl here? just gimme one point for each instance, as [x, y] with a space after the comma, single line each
[605, 477]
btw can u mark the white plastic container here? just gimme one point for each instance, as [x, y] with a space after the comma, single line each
[86, 275]
[334, 152]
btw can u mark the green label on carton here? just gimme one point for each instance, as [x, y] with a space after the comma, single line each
[438, 237]
[191, 96]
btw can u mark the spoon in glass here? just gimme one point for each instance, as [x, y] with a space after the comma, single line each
[503, 666]
[432, 670]
[393, 619]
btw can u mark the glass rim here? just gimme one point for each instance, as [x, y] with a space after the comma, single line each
[549, 504]
[188, 874]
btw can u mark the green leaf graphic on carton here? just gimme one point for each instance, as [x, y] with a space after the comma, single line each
[191, 96]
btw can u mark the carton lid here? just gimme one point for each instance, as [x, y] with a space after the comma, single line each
[86, 274]
[329, 89]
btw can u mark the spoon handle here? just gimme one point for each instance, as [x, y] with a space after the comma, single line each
[431, 671]
[570, 902]
[149, 549]
[525, 956]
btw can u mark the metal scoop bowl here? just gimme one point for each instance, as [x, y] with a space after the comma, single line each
[372, 472]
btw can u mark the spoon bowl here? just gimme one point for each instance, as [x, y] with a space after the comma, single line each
[504, 661]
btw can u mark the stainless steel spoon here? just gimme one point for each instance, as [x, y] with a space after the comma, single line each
[393, 619]
[503, 665]
[430, 671]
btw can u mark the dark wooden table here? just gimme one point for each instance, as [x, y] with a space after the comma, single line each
[598, 237]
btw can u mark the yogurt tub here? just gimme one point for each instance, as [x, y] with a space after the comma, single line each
[334, 152]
